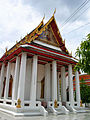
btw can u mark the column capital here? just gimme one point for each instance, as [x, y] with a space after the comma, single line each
[62, 67]
[3, 64]
[54, 61]
[70, 65]
[1, 61]
[16, 55]
[24, 53]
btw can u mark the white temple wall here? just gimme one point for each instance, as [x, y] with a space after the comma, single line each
[40, 76]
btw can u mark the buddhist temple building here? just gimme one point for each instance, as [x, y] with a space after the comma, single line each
[30, 74]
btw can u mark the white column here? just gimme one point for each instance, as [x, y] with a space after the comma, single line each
[30, 74]
[16, 79]
[34, 79]
[47, 82]
[28, 79]
[22, 78]
[2, 79]
[59, 96]
[77, 88]
[70, 81]
[7, 81]
[54, 81]
[63, 85]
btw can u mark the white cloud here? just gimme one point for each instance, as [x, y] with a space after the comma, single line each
[16, 20]
[75, 32]
[88, 14]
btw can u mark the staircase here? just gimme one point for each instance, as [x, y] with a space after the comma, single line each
[82, 109]
[60, 112]
[57, 111]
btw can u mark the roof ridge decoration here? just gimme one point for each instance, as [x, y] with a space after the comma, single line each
[54, 12]
[35, 33]
[58, 32]
[31, 36]
[28, 38]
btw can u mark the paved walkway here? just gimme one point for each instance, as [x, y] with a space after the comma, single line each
[81, 116]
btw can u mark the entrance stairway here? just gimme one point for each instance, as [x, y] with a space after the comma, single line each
[82, 109]
[71, 109]
[57, 111]
[78, 109]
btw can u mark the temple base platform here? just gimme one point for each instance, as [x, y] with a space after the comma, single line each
[31, 110]
[36, 109]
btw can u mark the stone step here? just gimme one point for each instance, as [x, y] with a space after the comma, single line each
[48, 110]
[59, 111]
[82, 110]
[28, 114]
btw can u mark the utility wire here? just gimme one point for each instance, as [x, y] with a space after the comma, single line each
[78, 28]
[79, 8]
[79, 15]
[75, 12]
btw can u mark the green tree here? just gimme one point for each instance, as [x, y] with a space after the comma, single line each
[83, 52]
[85, 92]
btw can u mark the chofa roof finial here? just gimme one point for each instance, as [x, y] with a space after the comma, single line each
[6, 51]
[43, 17]
[54, 11]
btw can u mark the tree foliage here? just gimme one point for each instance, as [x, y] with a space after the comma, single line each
[83, 52]
[85, 92]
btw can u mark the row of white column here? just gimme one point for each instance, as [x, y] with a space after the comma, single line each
[70, 81]
[22, 77]
[63, 84]
[19, 81]
[51, 85]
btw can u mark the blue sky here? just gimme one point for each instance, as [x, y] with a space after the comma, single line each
[19, 17]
